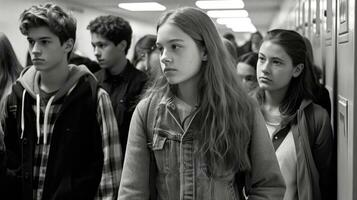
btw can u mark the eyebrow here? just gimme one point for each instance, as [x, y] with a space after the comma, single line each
[41, 38]
[171, 41]
[277, 58]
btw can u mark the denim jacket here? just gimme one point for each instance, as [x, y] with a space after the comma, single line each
[182, 175]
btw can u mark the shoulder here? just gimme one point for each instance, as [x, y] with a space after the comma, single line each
[138, 75]
[319, 113]
[100, 74]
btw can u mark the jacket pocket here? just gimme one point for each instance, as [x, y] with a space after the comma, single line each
[160, 152]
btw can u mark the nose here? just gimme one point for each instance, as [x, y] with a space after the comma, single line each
[165, 58]
[97, 52]
[265, 67]
[36, 49]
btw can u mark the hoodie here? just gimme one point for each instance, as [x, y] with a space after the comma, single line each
[30, 79]
[64, 146]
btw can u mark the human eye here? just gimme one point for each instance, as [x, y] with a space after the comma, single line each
[277, 62]
[175, 46]
[249, 78]
[160, 48]
[45, 42]
[261, 58]
[31, 42]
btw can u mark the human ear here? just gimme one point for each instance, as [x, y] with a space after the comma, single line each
[204, 54]
[122, 45]
[298, 70]
[68, 45]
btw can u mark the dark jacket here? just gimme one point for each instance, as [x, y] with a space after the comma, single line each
[124, 90]
[75, 159]
[315, 167]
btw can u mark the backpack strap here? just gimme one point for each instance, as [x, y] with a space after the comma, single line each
[150, 116]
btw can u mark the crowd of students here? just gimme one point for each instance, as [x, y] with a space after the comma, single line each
[186, 119]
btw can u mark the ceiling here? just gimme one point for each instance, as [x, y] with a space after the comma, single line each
[261, 12]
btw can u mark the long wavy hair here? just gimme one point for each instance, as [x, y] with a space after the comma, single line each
[9, 70]
[300, 87]
[227, 112]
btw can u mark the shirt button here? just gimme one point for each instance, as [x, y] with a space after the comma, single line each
[121, 101]
[276, 137]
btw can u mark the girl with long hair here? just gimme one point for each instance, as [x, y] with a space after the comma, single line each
[197, 127]
[10, 68]
[300, 130]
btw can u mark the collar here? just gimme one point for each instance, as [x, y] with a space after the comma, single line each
[125, 75]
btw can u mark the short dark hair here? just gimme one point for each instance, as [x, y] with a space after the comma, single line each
[113, 28]
[50, 15]
[229, 36]
[250, 58]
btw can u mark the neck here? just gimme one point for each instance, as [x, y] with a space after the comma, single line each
[188, 92]
[119, 67]
[55, 78]
[273, 99]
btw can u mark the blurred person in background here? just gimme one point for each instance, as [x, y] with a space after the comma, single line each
[246, 70]
[147, 57]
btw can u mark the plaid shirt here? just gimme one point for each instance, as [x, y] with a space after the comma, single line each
[111, 172]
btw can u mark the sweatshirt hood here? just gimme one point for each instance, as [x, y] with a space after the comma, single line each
[30, 79]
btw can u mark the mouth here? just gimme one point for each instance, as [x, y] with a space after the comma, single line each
[264, 79]
[169, 70]
[37, 60]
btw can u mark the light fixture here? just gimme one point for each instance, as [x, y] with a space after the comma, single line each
[234, 20]
[142, 6]
[227, 13]
[238, 24]
[224, 4]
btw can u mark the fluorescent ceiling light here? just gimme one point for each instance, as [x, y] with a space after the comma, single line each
[227, 13]
[235, 20]
[143, 6]
[238, 24]
[224, 4]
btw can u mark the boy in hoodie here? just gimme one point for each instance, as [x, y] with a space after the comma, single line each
[61, 136]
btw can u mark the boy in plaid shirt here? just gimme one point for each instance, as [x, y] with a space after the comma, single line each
[61, 135]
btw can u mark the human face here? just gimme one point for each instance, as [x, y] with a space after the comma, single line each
[275, 68]
[46, 50]
[107, 53]
[149, 61]
[180, 57]
[248, 76]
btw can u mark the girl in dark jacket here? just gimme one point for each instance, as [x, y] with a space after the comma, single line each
[300, 130]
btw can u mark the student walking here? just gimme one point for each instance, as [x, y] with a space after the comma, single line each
[300, 130]
[61, 135]
[111, 39]
[197, 135]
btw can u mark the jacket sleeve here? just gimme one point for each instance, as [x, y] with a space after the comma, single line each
[135, 178]
[111, 172]
[264, 180]
[323, 153]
